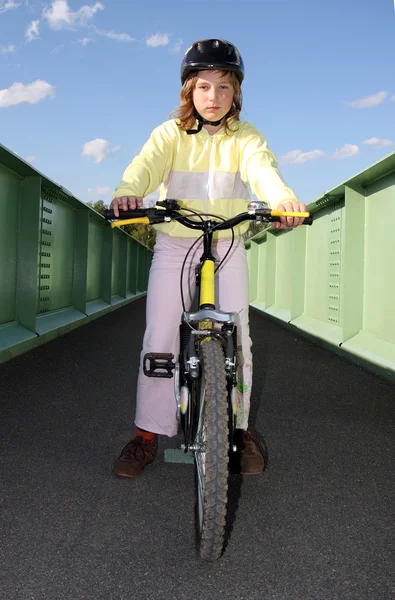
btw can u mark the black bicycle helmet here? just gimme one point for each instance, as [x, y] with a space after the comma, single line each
[212, 54]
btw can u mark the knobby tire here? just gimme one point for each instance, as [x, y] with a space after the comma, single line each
[213, 434]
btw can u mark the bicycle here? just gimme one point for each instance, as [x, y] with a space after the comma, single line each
[205, 369]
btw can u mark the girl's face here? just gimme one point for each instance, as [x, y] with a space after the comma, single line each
[213, 95]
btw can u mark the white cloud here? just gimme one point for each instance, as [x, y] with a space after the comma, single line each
[32, 31]
[119, 37]
[4, 5]
[99, 191]
[369, 101]
[7, 49]
[59, 16]
[297, 157]
[377, 142]
[98, 149]
[159, 39]
[31, 93]
[393, 98]
[347, 151]
[177, 47]
[31, 159]
[84, 41]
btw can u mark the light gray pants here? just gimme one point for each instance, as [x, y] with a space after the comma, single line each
[156, 404]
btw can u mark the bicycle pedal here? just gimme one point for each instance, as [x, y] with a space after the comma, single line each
[177, 455]
[160, 365]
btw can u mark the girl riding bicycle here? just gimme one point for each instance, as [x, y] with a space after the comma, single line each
[205, 158]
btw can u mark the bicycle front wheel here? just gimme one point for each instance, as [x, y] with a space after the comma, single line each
[212, 453]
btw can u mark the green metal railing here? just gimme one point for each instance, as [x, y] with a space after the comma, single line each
[335, 280]
[61, 264]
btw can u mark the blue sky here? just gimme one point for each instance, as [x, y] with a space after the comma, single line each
[82, 85]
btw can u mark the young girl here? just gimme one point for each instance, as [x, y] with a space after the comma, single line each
[205, 158]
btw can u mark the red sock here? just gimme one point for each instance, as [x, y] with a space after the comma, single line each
[148, 436]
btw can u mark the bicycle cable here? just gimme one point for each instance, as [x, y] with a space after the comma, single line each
[210, 229]
[213, 228]
[187, 254]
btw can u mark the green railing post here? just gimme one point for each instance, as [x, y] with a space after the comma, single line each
[122, 272]
[132, 266]
[28, 285]
[79, 295]
[353, 264]
[298, 271]
[106, 282]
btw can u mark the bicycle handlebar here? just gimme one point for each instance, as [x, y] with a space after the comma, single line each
[171, 211]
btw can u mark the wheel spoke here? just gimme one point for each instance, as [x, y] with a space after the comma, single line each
[200, 454]
[199, 457]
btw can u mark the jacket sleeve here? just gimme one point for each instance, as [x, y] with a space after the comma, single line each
[258, 168]
[150, 167]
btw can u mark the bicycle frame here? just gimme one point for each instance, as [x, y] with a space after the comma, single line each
[195, 328]
[207, 285]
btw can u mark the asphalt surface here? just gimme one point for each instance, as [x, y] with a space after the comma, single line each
[319, 524]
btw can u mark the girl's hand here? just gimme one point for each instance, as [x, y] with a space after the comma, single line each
[287, 222]
[126, 203]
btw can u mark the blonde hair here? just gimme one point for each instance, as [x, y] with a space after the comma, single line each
[185, 113]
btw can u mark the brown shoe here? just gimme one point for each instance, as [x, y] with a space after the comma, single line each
[134, 457]
[252, 461]
[249, 459]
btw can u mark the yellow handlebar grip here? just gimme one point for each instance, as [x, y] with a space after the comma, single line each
[143, 220]
[284, 213]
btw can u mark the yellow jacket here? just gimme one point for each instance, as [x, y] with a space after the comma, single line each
[207, 173]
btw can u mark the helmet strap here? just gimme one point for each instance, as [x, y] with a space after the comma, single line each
[202, 121]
